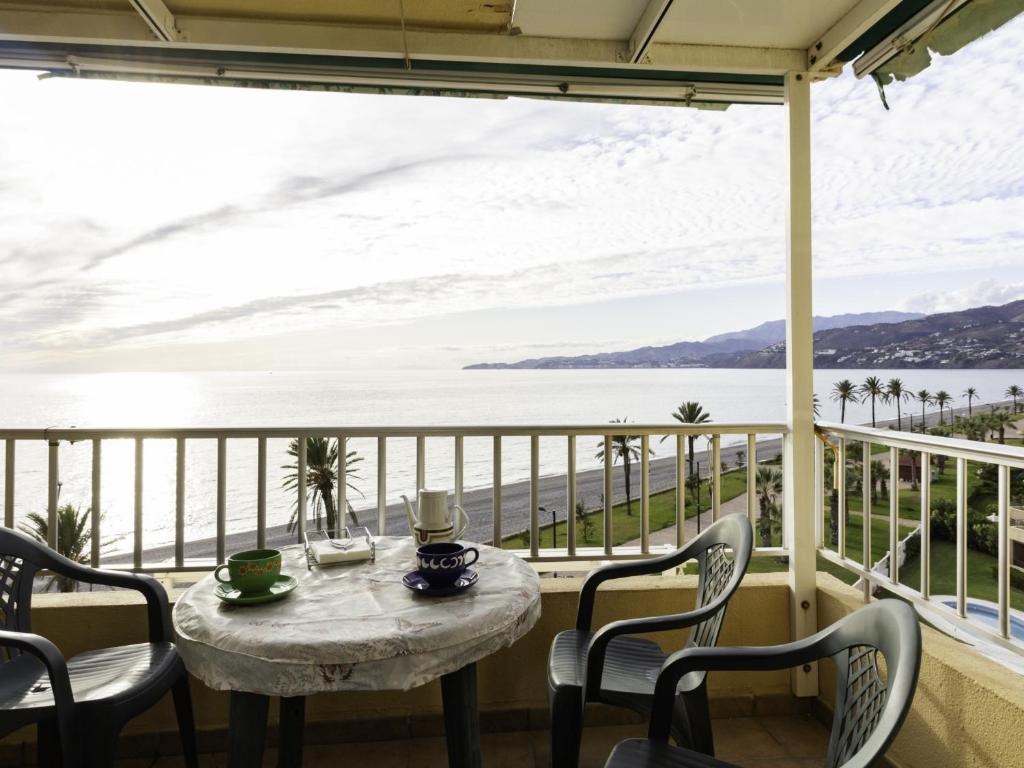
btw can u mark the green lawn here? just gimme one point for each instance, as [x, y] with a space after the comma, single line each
[626, 527]
[943, 487]
[980, 581]
[854, 543]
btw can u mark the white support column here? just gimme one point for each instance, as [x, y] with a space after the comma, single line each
[799, 445]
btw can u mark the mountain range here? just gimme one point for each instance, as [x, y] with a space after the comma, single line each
[982, 337]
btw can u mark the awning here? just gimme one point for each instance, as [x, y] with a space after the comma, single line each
[679, 52]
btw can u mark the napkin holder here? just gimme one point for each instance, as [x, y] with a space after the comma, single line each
[352, 545]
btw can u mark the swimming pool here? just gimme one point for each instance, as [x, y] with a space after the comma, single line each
[984, 613]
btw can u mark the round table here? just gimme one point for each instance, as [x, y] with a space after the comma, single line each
[350, 628]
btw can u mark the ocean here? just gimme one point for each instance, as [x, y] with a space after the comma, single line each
[375, 398]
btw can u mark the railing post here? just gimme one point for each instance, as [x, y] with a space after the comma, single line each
[926, 524]
[96, 513]
[608, 491]
[680, 490]
[961, 537]
[179, 506]
[1003, 544]
[716, 477]
[841, 496]
[300, 508]
[798, 496]
[261, 493]
[137, 533]
[342, 481]
[222, 497]
[534, 495]
[752, 479]
[894, 515]
[421, 462]
[53, 493]
[570, 498]
[382, 485]
[866, 512]
[496, 499]
[9, 483]
[645, 494]
[460, 468]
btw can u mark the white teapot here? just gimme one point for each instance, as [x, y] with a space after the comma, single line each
[433, 521]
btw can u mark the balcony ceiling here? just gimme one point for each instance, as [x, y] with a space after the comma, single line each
[691, 52]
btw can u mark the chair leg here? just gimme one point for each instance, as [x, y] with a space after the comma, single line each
[55, 744]
[100, 744]
[186, 723]
[566, 726]
[693, 714]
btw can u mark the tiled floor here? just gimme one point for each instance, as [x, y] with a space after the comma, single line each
[796, 741]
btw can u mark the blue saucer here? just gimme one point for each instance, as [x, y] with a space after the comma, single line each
[414, 581]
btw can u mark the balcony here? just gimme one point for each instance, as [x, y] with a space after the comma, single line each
[748, 708]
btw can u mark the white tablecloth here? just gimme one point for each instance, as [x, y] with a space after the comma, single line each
[355, 627]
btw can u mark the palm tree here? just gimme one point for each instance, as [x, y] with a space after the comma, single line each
[970, 393]
[691, 412]
[321, 478]
[924, 397]
[895, 390]
[768, 486]
[1013, 391]
[942, 399]
[73, 536]
[844, 392]
[872, 388]
[627, 449]
[1000, 420]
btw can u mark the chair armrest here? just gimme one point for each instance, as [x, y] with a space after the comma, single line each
[700, 659]
[47, 653]
[585, 611]
[599, 642]
[156, 596]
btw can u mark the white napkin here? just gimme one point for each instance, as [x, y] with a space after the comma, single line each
[326, 553]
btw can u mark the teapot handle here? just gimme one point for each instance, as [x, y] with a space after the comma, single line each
[462, 525]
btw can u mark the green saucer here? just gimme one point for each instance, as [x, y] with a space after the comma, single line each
[280, 589]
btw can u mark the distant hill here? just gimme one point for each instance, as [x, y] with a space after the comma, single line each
[774, 331]
[700, 354]
[983, 337]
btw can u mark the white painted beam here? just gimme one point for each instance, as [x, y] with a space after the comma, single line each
[116, 27]
[158, 18]
[852, 25]
[646, 27]
[799, 480]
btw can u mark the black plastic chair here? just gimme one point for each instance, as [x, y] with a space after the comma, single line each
[80, 705]
[868, 710]
[611, 667]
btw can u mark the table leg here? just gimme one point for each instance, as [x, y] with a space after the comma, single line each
[291, 725]
[247, 729]
[461, 717]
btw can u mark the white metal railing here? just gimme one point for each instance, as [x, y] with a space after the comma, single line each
[55, 438]
[924, 447]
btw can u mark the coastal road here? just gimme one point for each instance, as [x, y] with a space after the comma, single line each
[516, 498]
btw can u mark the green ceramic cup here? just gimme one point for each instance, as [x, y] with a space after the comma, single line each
[252, 571]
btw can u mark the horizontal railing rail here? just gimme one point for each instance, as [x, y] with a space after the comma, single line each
[605, 433]
[923, 448]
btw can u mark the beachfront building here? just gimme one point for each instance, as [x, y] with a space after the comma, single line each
[679, 54]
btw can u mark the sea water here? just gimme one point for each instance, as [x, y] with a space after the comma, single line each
[375, 398]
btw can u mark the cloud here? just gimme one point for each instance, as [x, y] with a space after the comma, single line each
[309, 212]
[982, 293]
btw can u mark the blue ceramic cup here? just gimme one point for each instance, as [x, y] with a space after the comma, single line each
[442, 563]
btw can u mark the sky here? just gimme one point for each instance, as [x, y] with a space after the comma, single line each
[178, 227]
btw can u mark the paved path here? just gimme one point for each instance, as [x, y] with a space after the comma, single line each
[516, 500]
